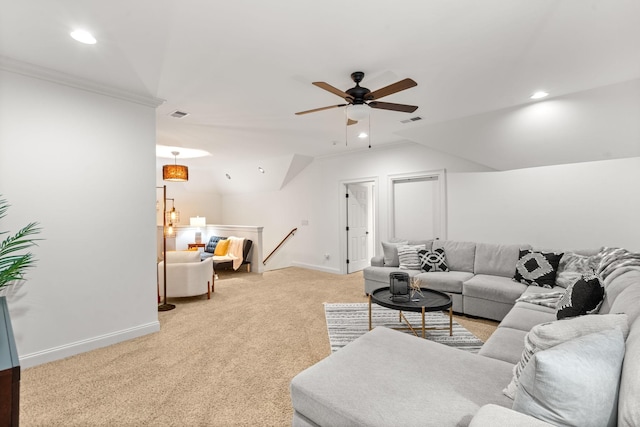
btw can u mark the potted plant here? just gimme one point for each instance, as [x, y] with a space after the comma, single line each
[14, 262]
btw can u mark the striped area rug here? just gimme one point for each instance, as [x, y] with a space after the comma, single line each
[346, 322]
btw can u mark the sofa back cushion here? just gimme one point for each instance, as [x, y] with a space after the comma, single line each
[497, 260]
[428, 244]
[460, 256]
[629, 396]
[628, 300]
[246, 249]
[212, 243]
[614, 285]
[174, 257]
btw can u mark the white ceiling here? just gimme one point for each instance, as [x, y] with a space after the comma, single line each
[243, 68]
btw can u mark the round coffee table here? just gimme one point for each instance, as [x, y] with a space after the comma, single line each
[430, 300]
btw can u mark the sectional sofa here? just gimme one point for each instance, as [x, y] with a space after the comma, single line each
[534, 370]
[479, 279]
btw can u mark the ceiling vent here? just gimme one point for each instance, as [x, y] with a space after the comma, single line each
[412, 119]
[178, 114]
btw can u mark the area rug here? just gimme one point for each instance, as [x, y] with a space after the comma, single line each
[346, 322]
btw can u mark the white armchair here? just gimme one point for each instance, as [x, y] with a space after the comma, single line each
[186, 275]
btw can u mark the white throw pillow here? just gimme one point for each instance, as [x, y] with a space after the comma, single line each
[574, 383]
[408, 256]
[550, 334]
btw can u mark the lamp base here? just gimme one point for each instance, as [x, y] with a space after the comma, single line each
[166, 307]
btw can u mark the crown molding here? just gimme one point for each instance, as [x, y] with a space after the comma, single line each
[31, 70]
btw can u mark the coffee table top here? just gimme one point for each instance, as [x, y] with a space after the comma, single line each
[431, 300]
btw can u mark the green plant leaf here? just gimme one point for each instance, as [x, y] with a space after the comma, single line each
[13, 263]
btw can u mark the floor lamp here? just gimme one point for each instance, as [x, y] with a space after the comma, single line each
[164, 306]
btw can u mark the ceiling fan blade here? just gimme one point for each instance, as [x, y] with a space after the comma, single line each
[394, 107]
[391, 89]
[320, 109]
[335, 91]
[351, 122]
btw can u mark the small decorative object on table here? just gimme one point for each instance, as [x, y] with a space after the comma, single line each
[415, 287]
[399, 286]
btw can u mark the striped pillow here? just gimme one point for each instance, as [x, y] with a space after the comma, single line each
[408, 256]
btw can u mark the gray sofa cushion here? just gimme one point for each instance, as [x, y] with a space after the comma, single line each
[523, 318]
[504, 344]
[494, 415]
[428, 244]
[614, 285]
[381, 274]
[386, 377]
[444, 281]
[629, 403]
[460, 255]
[497, 260]
[494, 288]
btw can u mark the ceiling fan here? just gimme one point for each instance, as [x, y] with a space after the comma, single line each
[360, 98]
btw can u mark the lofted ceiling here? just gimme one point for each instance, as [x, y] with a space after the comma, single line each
[241, 69]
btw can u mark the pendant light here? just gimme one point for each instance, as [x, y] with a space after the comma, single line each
[175, 172]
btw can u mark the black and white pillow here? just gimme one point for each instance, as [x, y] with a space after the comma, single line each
[537, 268]
[582, 297]
[408, 256]
[434, 260]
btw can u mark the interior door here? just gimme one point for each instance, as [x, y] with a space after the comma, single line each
[358, 226]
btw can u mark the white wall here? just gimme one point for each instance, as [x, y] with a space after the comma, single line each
[316, 196]
[584, 205]
[82, 164]
[193, 198]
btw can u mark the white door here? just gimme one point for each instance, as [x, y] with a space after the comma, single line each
[358, 226]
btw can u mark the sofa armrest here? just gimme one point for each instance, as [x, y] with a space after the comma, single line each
[377, 261]
[498, 416]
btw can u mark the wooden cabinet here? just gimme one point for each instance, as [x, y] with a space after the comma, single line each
[9, 370]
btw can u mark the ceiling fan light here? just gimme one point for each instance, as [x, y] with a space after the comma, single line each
[358, 112]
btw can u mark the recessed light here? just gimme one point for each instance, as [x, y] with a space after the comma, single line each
[539, 95]
[362, 135]
[260, 169]
[83, 37]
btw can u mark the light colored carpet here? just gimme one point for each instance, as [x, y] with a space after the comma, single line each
[347, 322]
[226, 361]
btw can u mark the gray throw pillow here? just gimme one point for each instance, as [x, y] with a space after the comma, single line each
[574, 383]
[390, 251]
[550, 334]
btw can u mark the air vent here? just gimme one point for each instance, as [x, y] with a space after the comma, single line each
[178, 114]
[412, 119]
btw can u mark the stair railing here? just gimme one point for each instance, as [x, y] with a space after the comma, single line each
[291, 233]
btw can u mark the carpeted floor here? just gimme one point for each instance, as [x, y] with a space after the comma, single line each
[226, 361]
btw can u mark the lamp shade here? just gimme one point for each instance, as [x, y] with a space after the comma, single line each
[198, 221]
[175, 173]
[358, 112]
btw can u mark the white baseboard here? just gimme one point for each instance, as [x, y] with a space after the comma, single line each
[56, 353]
[316, 267]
